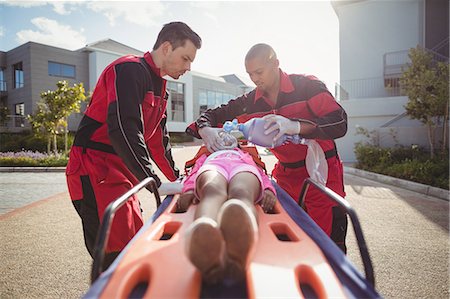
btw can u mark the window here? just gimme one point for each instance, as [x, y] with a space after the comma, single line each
[20, 109]
[2, 80]
[209, 99]
[203, 101]
[61, 69]
[19, 119]
[18, 75]
[176, 101]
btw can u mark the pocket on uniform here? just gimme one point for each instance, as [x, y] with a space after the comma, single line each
[152, 111]
[73, 165]
[98, 165]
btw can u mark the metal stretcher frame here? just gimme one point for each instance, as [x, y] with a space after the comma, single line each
[354, 284]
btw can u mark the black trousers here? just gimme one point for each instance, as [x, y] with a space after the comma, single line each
[339, 228]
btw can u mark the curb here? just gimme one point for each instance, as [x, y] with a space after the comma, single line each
[32, 169]
[412, 186]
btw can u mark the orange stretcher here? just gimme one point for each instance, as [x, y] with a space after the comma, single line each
[293, 257]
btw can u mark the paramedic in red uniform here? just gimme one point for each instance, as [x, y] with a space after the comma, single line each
[294, 104]
[124, 127]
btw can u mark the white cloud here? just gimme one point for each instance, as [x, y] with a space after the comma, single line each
[24, 4]
[2, 31]
[52, 33]
[60, 7]
[210, 9]
[139, 13]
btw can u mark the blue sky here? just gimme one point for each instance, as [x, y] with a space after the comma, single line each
[303, 33]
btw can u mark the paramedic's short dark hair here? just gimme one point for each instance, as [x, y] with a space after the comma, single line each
[262, 51]
[177, 33]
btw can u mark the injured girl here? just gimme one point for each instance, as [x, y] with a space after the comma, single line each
[226, 185]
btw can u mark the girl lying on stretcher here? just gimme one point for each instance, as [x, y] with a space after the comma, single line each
[226, 185]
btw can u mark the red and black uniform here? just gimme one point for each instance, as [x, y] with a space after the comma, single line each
[300, 98]
[122, 129]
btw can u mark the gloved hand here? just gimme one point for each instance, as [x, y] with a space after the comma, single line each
[211, 138]
[282, 124]
[170, 188]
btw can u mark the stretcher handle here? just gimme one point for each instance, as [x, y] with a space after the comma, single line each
[363, 250]
[105, 227]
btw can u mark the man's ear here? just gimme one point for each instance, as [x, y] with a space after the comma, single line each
[277, 63]
[166, 48]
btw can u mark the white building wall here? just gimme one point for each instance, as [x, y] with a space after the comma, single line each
[369, 29]
[98, 61]
[372, 114]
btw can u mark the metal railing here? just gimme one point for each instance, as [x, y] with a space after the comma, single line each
[108, 216]
[363, 250]
[441, 45]
[394, 64]
[369, 88]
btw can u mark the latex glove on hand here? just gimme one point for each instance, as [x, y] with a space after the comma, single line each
[284, 125]
[268, 201]
[170, 188]
[210, 137]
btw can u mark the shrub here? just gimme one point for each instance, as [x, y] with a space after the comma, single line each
[30, 159]
[16, 142]
[411, 164]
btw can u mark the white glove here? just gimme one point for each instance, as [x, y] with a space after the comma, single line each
[211, 138]
[282, 124]
[170, 188]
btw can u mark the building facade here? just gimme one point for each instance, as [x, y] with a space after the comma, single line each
[375, 37]
[32, 68]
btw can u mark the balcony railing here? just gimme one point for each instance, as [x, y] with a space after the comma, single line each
[395, 63]
[368, 88]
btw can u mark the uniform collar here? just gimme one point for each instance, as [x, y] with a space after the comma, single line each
[286, 86]
[149, 59]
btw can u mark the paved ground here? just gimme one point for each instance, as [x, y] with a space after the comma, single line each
[42, 253]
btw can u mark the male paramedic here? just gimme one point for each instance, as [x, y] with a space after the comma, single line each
[124, 127]
[292, 104]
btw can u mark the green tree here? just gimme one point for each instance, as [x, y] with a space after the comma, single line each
[4, 112]
[50, 118]
[425, 82]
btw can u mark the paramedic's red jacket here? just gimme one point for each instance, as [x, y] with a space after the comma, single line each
[122, 129]
[300, 97]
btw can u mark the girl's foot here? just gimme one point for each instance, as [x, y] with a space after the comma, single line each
[205, 248]
[239, 229]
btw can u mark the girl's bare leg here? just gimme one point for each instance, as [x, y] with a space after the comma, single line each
[211, 187]
[205, 245]
[246, 187]
[237, 220]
